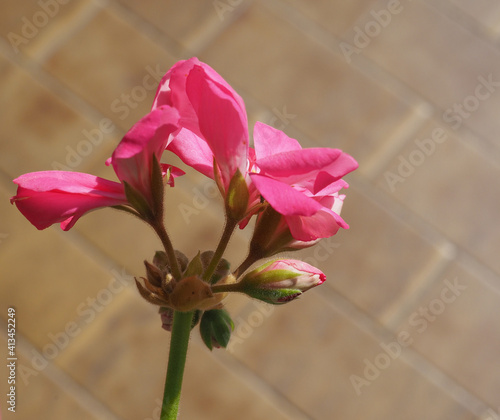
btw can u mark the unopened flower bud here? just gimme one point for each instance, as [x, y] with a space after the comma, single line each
[280, 281]
[215, 328]
[237, 197]
[154, 274]
[161, 261]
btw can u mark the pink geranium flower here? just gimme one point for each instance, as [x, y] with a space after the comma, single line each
[300, 184]
[49, 197]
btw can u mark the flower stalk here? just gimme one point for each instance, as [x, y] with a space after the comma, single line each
[179, 341]
[219, 252]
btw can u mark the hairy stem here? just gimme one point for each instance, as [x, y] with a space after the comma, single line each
[219, 252]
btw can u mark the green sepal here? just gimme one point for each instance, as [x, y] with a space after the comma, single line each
[138, 201]
[157, 187]
[216, 326]
[126, 209]
[237, 197]
[273, 296]
[195, 267]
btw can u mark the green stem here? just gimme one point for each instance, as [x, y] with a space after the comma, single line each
[226, 236]
[169, 248]
[249, 260]
[221, 288]
[179, 341]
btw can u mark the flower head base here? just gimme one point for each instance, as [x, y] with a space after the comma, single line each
[188, 293]
[280, 281]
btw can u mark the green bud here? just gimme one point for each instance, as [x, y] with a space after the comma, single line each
[237, 197]
[195, 267]
[215, 328]
[138, 202]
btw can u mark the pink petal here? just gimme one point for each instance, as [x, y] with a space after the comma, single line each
[269, 141]
[193, 151]
[133, 157]
[323, 224]
[49, 197]
[172, 91]
[302, 167]
[222, 121]
[283, 198]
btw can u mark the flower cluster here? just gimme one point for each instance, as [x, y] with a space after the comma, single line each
[294, 193]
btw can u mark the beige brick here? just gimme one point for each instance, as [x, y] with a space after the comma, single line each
[308, 352]
[443, 185]
[454, 326]
[121, 357]
[486, 12]
[328, 15]
[332, 103]
[46, 277]
[441, 60]
[187, 22]
[41, 131]
[38, 396]
[120, 82]
[29, 26]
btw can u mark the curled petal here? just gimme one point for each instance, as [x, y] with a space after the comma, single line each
[285, 199]
[313, 168]
[193, 151]
[323, 224]
[269, 141]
